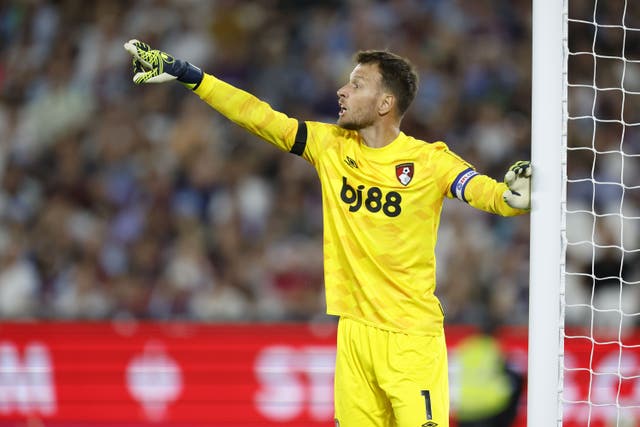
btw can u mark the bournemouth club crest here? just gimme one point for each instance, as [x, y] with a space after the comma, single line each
[404, 173]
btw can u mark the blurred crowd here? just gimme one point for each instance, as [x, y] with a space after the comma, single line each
[121, 202]
[602, 280]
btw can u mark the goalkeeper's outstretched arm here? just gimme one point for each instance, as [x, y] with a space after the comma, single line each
[508, 198]
[154, 66]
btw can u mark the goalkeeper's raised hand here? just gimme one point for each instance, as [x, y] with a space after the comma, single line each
[518, 179]
[155, 66]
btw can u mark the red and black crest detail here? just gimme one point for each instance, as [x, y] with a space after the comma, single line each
[404, 173]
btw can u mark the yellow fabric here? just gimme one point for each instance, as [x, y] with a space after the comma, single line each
[379, 232]
[248, 111]
[386, 378]
[484, 386]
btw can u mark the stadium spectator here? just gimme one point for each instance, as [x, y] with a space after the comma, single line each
[489, 389]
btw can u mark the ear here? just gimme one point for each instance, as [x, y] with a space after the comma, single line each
[387, 102]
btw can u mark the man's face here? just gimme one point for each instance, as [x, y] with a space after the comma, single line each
[359, 98]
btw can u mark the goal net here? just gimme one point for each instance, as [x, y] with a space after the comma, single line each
[599, 287]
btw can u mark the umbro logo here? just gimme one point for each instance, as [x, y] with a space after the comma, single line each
[430, 424]
[352, 163]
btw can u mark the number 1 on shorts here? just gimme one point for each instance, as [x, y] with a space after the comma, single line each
[427, 403]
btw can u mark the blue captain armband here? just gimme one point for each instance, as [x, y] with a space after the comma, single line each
[460, 183]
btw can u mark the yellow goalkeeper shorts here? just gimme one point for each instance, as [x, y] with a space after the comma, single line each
[386, 379]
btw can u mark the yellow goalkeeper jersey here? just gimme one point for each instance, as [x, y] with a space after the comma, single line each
[381, 209]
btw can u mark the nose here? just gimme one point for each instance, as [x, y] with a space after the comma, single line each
[341, 92]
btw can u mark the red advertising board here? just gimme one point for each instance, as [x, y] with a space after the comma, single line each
[134, 374]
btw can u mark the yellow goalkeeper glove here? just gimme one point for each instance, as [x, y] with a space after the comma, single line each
[518, 179]
[155, 66]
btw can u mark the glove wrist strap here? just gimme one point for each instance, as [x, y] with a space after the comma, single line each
[188, 74]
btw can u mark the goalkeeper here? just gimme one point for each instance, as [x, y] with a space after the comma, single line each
[382, 193]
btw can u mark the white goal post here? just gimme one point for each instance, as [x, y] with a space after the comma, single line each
[548, 134]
